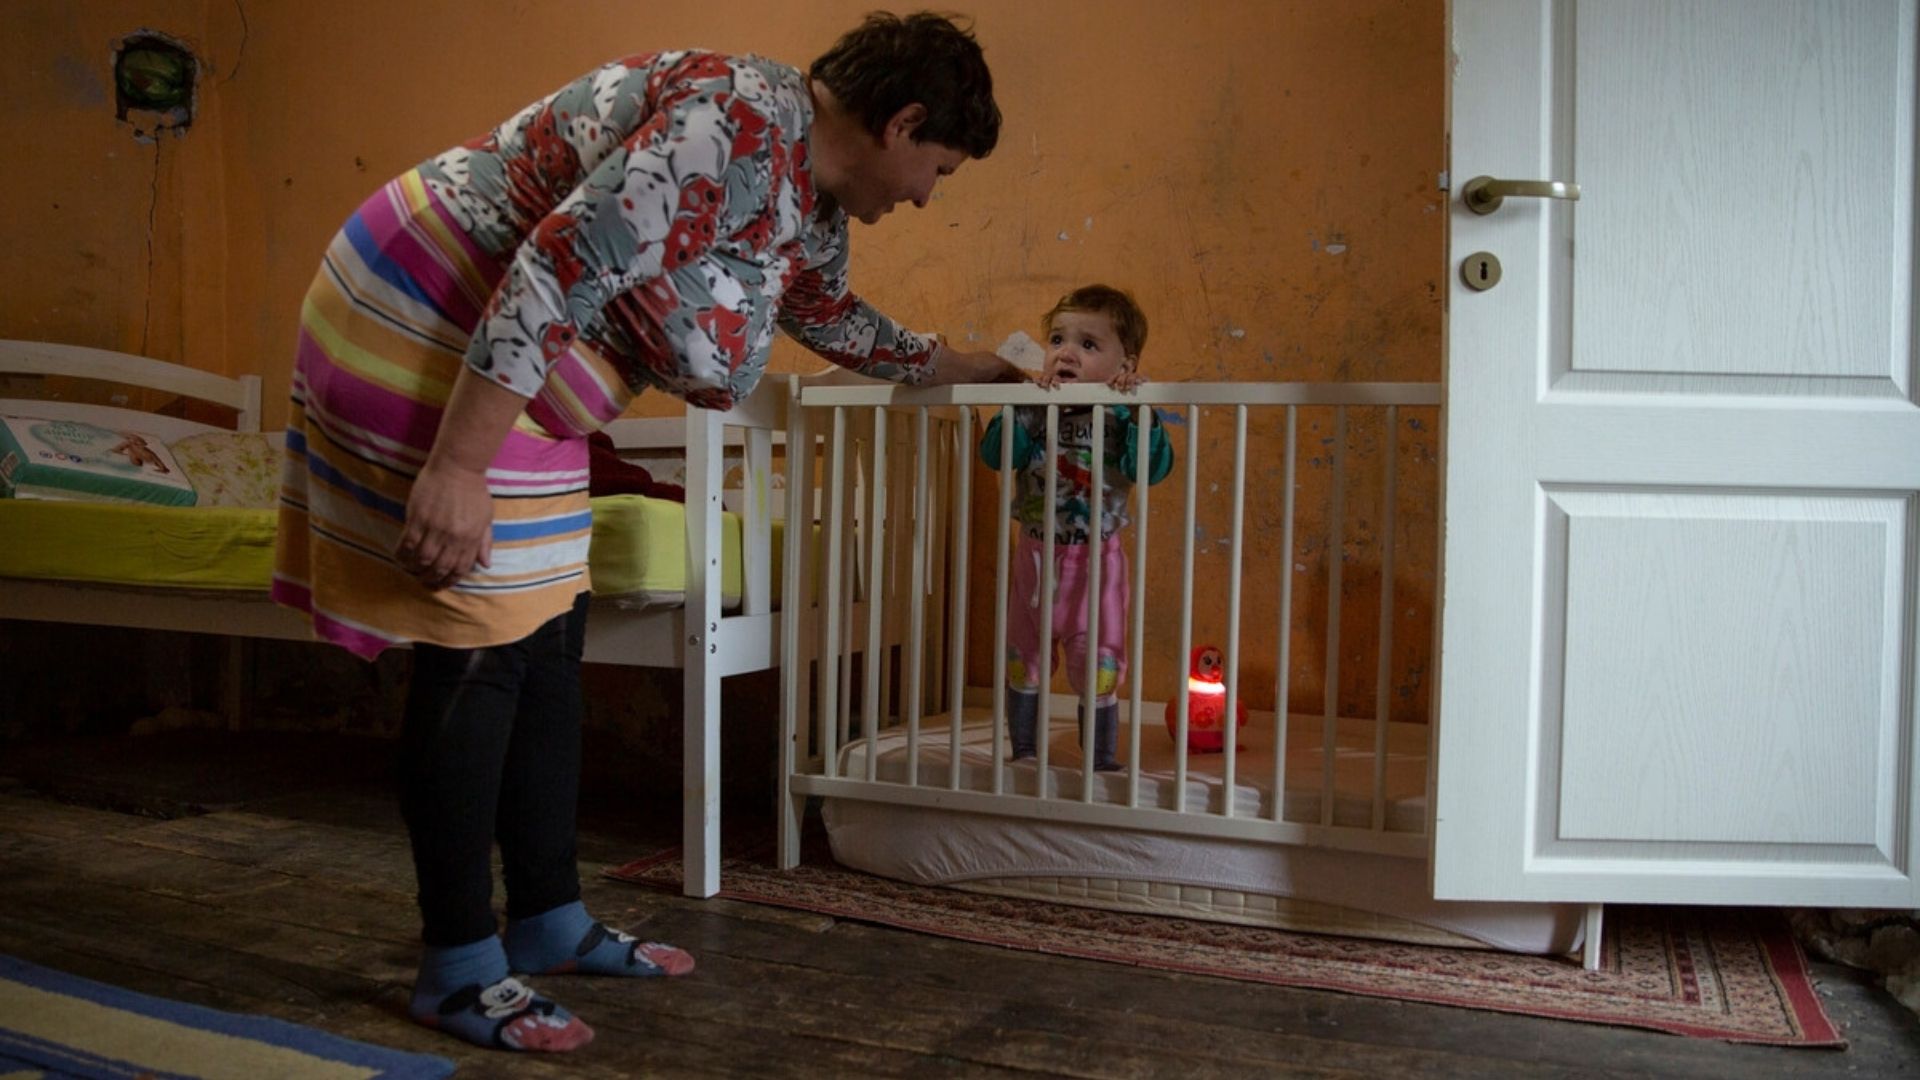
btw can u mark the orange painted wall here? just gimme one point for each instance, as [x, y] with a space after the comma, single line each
[1260, 173]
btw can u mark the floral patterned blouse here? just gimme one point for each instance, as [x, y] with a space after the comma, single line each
[661, 210]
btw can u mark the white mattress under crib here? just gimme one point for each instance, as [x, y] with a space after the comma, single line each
[1220, 878]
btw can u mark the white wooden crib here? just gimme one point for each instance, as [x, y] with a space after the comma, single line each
[703, 637]
[910, 760]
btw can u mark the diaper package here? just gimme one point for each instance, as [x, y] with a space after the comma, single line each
[69, 459]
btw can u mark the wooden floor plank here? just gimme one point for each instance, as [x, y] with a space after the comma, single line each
[32, 823]
[990, 1005]
[299, 904]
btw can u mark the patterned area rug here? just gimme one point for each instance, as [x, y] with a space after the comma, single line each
[1718, 973]
[55, 1025]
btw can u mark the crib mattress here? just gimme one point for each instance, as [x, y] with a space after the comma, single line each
[1219, 878]
[638, 556]
[639, 553]
[1353, 804]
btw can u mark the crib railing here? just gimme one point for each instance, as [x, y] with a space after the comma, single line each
[895, 524]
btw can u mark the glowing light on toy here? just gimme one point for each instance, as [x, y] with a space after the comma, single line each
[1206, 703]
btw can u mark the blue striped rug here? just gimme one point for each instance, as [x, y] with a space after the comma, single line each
[55, 1025]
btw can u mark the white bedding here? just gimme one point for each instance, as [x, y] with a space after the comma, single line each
[1406, 774]
[1195, 876]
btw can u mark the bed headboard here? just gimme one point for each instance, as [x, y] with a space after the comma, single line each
[78, 361]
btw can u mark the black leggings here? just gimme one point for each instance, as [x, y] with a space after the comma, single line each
[490, 750]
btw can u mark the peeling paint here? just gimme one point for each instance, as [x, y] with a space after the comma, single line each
[156, 84]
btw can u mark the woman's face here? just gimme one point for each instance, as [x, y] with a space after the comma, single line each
[896, 169]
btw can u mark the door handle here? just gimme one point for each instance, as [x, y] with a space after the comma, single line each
[1484, 194]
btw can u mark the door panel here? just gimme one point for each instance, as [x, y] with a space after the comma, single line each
[1746, 188]
[1678, 647]
[1683, 678]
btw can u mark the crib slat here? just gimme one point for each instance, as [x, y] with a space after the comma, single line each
[1043, 720]
[1382, 693]
[939, 511]
[883, 590]
[899, 560]
[793, 650]
[1229, 726]
[700, 768]
[1283, 667]
[1000, 600]
[1136, 638]
[873, 662]
[1182, 661]
[917, 601]
[1090, 671]
[856, 587]
[1336, 514]
[961, 462]
[756, 539]
[832, 599]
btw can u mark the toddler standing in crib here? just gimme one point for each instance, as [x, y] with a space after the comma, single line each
[1093, 335]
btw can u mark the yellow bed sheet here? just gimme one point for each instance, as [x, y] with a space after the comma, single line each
[640, 552]
[638, 556]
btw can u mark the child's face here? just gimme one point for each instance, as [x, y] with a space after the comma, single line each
[1083, 347]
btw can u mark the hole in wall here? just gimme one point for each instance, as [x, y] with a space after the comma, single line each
[154, 79]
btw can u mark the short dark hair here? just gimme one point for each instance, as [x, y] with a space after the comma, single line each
[1129, 322]
[888, 63]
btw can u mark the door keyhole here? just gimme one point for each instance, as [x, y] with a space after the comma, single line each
[1480, 271]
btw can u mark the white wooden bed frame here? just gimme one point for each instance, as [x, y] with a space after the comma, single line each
[939, 451]
[700, 638]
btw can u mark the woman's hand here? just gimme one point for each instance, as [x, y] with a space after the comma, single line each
[951, 366]
[449, 528]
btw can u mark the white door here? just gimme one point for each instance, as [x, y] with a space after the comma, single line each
[1678, 653]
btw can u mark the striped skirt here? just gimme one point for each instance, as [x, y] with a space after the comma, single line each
[383, 334]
